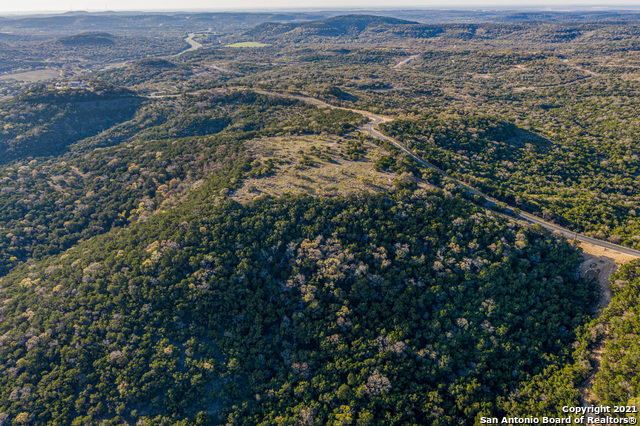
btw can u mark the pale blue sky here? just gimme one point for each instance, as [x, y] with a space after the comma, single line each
[101, 5]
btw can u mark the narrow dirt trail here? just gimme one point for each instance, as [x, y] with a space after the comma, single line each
[590, 74]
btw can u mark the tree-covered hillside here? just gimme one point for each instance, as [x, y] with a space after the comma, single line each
[407, 310]
[126, 172]
[43, 121]
[604, 366]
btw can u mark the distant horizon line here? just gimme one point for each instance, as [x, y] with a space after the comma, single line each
[531, 8]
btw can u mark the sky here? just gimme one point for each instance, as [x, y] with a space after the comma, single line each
[9, 6]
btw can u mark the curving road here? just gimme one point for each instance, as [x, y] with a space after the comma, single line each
[194, 45]
[372, 129]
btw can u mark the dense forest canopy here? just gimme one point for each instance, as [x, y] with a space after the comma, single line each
[392, 310]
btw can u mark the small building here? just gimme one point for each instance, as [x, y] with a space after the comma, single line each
[72, 85]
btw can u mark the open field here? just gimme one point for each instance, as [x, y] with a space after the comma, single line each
[335, 177]
[32, 76]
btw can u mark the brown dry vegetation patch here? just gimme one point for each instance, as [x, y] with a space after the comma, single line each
[599, 263]
[32, 76]
[331, 174]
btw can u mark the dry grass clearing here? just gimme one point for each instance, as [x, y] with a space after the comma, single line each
[596, 251]
[599, 263]
[315, 165]
[32, 76]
